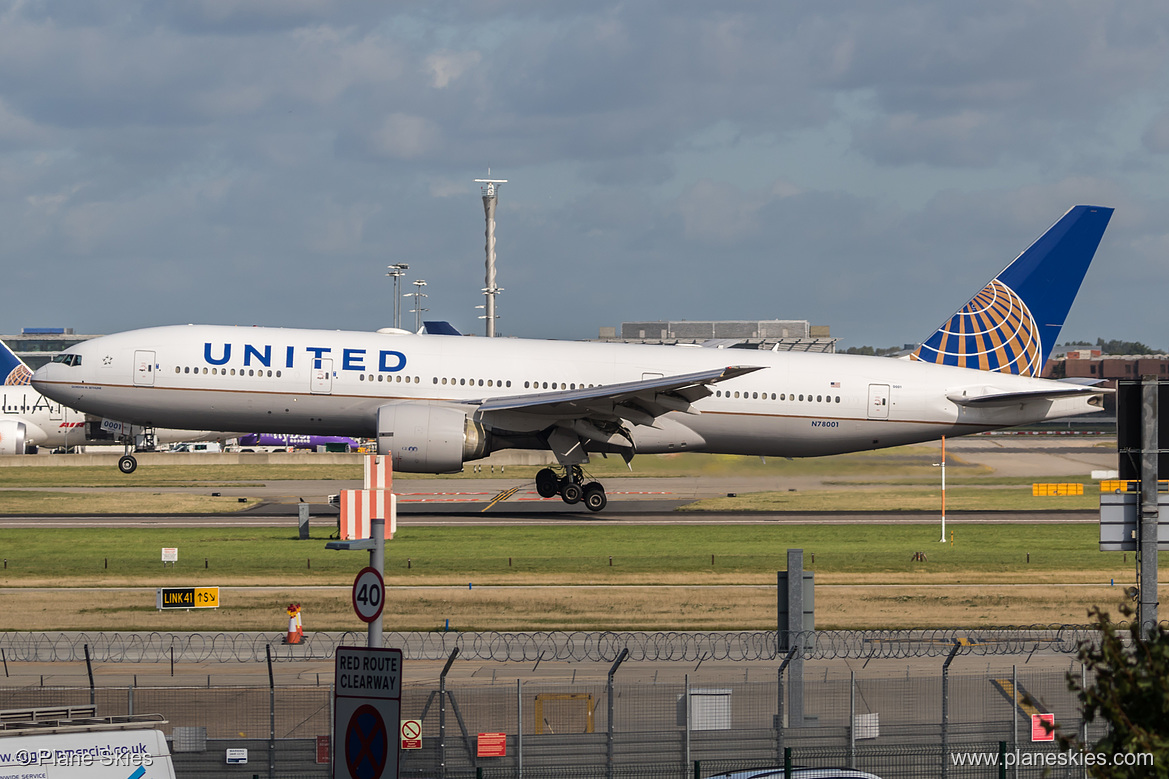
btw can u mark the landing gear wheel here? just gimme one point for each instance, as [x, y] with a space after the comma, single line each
[571, 492]
[127, 463]
[546, 483]
[594, 496]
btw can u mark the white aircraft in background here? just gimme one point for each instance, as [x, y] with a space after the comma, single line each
[29, 420]
[435, 400]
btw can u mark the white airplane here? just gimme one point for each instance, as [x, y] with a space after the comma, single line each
[435, 401]
[29, 420]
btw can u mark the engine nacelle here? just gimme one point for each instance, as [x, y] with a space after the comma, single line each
[12, 437]
[424, 438]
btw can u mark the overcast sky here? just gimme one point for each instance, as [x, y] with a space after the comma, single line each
[867, 166]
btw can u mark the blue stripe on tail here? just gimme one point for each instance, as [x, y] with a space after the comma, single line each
[12, 370]
[1013, 323]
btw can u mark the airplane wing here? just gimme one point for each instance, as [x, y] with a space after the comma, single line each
[988, 396]
[639, 402]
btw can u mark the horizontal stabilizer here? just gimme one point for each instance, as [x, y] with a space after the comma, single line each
[989, 396]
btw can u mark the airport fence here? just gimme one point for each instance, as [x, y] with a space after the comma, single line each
[735, 646]
[916, 725]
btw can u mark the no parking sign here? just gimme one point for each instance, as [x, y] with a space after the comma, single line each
[368, 695]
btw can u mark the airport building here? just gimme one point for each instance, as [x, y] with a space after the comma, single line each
[786, 334]
[37, 345]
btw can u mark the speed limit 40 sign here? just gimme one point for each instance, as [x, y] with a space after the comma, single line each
[369, 594]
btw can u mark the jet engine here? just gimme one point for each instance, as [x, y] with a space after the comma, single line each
[424, 438]
[12, 437]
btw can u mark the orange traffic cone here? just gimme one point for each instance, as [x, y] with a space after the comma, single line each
[294, 631]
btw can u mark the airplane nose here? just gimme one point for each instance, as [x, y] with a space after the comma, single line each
[38, 376]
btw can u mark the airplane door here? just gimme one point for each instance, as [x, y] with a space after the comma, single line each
[144, 369]
[322, 378]
[878, 401]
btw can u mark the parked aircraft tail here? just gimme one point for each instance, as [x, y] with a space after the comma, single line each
[1013, 323]
[12, 368]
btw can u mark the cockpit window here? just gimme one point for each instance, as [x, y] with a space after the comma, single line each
[68, 359]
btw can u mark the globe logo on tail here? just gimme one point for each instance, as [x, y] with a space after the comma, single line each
[19, 375]
[993, 332]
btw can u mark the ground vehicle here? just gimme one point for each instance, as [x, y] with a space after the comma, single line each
[82, 745]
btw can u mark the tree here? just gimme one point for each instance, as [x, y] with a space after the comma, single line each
[1124, 347]
[1130, 694]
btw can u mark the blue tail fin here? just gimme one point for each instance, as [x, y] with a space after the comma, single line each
[1013, 323]
[12, 369]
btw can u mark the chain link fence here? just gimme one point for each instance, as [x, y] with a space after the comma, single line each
[906, 727]
[159, 647]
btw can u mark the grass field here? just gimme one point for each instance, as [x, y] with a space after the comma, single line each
[573, 577]
[658, 577]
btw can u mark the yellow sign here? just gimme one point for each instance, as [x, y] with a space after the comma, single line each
[1056, 490]
[186, 598]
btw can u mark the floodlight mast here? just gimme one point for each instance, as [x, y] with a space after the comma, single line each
[417, 294]
[490, 196]
[397, 271]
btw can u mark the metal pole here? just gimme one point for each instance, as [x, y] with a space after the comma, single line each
[1150, 513]
[946, 708]
[442, 713]
[89, 670]
[943, 464]
[377, 561]
[1015, 714]
[609, 742]
[1083, 720]
[271, 715]
[852, 719]
[795, 628]
[779, 725]
[686, 721]
[519, 728]
[490, 197]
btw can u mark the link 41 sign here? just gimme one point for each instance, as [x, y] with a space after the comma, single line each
[367, 704]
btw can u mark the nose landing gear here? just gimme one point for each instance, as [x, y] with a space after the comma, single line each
[570, 488]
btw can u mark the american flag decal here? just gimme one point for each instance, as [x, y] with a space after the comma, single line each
[835, 384]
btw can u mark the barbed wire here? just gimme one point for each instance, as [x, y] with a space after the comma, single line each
[742, 646]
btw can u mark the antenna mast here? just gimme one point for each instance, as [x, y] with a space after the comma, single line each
[490, 195]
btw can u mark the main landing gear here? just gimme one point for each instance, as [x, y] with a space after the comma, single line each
[570, 488]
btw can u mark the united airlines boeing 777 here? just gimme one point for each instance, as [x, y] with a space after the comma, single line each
[435, 401]
[29, 420]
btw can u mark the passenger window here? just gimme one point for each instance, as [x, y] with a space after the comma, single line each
[819, 399]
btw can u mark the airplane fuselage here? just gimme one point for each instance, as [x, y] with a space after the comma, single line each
[333, 382]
